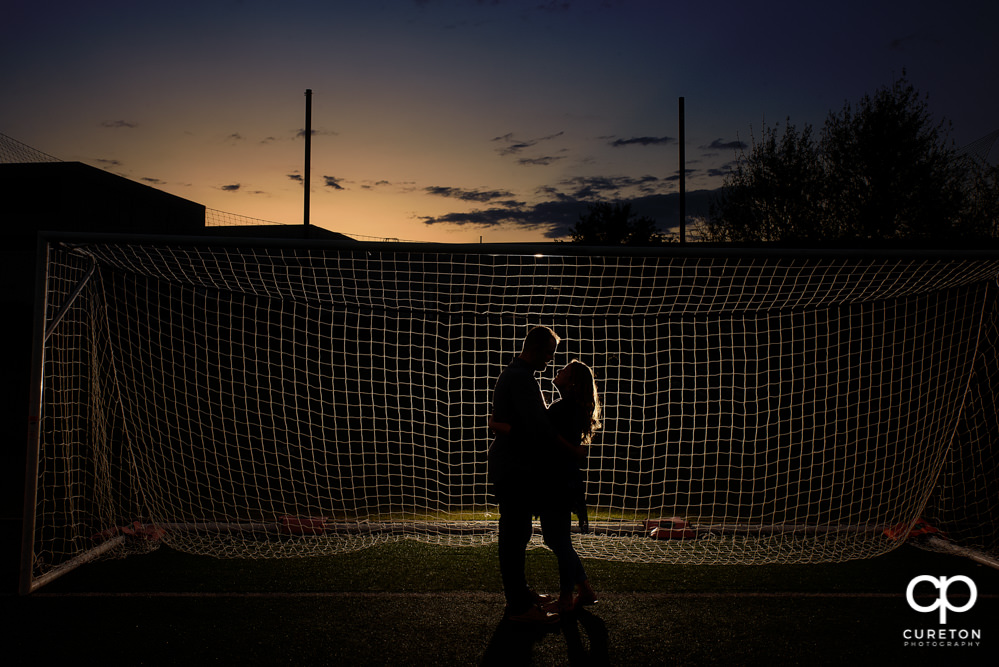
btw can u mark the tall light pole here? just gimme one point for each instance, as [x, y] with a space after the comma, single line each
[683, 181]
[308, 153]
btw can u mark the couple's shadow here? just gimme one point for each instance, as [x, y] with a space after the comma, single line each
[585, 639]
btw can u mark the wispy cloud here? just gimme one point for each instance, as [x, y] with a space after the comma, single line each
[722, 171]
[238, 187]
[115, 124]
[510, 145]
[675, 176]
[333, 182]
[643, 141]
[601, 187]
[721, 144]
[398, 186]
[540, 161]
[481, 196]
[300, 133]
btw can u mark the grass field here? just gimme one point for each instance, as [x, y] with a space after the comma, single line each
[413, 604]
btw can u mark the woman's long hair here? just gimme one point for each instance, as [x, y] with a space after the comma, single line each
[583, 392]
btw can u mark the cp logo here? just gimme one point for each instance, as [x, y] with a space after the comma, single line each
[943, 602]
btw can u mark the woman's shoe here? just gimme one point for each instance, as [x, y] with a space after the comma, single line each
[534, 615]
[545, 602]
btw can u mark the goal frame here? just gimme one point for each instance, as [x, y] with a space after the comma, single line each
[40, 331]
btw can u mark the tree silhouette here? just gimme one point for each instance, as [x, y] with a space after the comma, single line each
[775, 193]
[882, 171]
[615, 224]
[891, 170]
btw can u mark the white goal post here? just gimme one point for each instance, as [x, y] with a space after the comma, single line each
[265, 398]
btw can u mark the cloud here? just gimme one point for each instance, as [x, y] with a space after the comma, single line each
[119, 124]
[108, 163]
[675, 176]
[300, 133]
[540, 161]
[296, 177]
[721, 144]
[333, 182]
[551, 214]
[481, 196]
[723, 170]
[153, 181]
[398, 186]
[238, 187]
[558, 212]
[513, 146]
[603, 187]
[643, 141]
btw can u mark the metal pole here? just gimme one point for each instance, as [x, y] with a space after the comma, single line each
[683, 180]
[36, 389]
[308, 152]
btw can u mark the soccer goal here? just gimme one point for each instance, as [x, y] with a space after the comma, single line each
[247, 399]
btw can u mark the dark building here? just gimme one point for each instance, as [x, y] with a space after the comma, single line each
[61, 197]
[74, 197]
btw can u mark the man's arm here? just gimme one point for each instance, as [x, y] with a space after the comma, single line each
[499, 427]
[529, 406]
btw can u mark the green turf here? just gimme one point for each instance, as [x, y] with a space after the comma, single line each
[414, 603]
[412, 566]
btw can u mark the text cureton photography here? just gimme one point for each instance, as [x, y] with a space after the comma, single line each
[941, 600]
[942, 637]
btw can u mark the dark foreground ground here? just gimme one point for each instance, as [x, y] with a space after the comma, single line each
[415, 604]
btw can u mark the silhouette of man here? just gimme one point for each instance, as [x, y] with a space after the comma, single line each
[514, 469]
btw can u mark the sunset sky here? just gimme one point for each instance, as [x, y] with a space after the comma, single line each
[452, 121]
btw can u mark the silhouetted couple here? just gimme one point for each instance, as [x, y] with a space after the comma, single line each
[535, 465]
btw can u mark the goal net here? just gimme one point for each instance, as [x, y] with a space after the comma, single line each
[248, 400]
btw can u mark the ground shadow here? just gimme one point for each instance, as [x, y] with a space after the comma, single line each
[585, 638]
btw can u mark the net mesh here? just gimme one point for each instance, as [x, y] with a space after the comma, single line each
[13, 151]
[256, 401]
